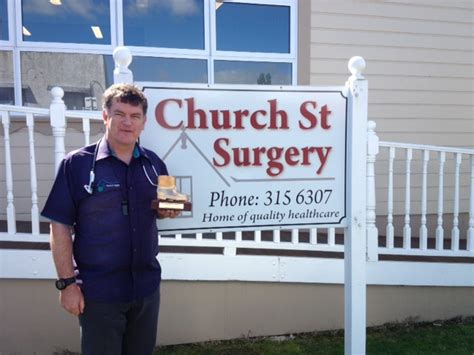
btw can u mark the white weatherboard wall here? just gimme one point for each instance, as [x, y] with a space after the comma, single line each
[421, 64]
[421, 74]
[195, 311]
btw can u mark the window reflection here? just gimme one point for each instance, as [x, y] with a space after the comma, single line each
[169, 70]
[83, 77]
[66, 22]
[253, 28]
[164, 23]
[261, 73]
[3, 20]
[7, 92]
[150, 23]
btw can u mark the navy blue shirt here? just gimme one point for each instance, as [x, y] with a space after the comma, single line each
[115, 233]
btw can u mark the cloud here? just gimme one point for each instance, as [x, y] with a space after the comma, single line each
[183, 7]
[94, 9]
[88, 9]
[180, 8]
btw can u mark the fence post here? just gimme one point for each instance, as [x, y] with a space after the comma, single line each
[11, 216]
[470, 231]
[407, 226]
[123, 58]
[355, 243]
[424, 202]
[30, 123]
[440, 229]
[455, 229]
[57, 113]
[372, 232]
[390, 230]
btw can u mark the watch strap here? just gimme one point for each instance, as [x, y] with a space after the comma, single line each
[61, 284]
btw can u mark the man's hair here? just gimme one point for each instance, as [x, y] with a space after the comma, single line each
[126, 93]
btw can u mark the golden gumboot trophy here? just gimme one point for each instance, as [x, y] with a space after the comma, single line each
[169, 198]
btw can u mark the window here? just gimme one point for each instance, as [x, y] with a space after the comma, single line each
[3, 20]
[69, 44]
[7, 91]
[253, 42]
[81, 76]
[253, 28]
[260, 73]
[167, 24]
[85, 21]
[176, 70]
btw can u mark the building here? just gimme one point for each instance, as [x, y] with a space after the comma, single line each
[420, 59]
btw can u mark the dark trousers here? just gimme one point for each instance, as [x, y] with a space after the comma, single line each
[120, 328]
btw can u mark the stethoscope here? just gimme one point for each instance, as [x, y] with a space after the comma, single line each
[90, 187]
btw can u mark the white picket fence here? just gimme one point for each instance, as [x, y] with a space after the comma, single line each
[432, 163]
[460, 242]
[410, 183]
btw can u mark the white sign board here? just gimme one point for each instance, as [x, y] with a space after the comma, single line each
[252, 158]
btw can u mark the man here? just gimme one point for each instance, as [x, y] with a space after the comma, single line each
[102, 196]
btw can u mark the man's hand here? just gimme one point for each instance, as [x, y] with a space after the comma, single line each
[168, 213]
[72, 300]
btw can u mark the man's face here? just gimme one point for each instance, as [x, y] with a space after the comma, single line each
[123, 123]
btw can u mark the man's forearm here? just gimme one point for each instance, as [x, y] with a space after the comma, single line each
[61, 247]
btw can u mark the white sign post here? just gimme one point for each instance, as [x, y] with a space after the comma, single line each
[269, 158]
[355, 238]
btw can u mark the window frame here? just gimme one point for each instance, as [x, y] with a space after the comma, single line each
[17, 45]
[163, 51]
[10, 28]
[27, 45]
[233, 54]
[290, 57]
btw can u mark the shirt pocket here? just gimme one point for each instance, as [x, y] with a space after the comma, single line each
[100, 218]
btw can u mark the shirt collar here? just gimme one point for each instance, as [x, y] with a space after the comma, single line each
[104, 151]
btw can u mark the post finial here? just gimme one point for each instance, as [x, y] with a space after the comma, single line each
[122, 57]
[356, 66]
[57, 93]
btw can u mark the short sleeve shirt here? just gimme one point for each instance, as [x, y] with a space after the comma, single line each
[115, 232]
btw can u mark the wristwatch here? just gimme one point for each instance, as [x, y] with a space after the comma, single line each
[61, 284]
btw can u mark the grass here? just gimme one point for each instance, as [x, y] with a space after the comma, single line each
[455, 336]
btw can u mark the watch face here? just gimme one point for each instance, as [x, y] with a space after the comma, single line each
[60, 284]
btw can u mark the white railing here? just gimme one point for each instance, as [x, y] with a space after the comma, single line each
[267, 242]
[29, 114]
[431, 182]
[411, 184]
[57, 116]
[416, 183]
[296, 240]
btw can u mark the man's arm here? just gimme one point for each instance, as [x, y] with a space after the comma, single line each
[71, 297]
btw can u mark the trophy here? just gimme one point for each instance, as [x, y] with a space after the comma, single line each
[169, 198]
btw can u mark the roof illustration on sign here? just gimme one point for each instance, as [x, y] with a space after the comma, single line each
[184, 138]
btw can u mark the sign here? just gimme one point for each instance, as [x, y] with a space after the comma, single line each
[252, 158]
